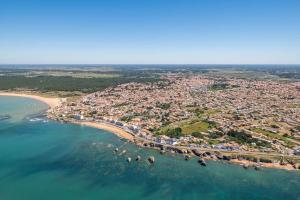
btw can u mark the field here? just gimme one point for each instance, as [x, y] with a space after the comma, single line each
[189, 128]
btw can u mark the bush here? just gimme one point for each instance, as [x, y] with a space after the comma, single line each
[215, 135]
[174, 133]
[274, 126]
[197, 134]
[164, 106]
[242, 137]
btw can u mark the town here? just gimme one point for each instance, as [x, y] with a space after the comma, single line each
[199, 111]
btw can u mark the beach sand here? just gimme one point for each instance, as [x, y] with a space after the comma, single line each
[117, 131]
[51, 102]
[267, 165]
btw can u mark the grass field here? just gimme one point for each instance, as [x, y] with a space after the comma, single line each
[199, 126]
[188, 127]
[272, 135]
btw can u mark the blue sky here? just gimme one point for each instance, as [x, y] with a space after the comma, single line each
[150, 31]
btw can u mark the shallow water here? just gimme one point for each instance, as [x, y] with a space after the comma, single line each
[49, 160]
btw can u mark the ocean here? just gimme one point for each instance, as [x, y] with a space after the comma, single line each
[43, 159]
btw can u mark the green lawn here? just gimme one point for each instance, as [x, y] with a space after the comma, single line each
[199, 126]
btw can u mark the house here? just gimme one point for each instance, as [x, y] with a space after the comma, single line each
[172, 141]
[78, 117]
[297, 151]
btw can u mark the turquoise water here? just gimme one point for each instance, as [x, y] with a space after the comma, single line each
[49, 160]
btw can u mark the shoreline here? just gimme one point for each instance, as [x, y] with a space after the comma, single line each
[51, 102]
[54, 102]
[113, 129]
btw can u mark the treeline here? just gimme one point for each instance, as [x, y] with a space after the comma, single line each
[58, 83]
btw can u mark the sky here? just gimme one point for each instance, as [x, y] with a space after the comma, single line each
[149, 32]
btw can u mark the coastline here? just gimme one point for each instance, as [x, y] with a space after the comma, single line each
[54, 102]
[51, 102]
[113, 129]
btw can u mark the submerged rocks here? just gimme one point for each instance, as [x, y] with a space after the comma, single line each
[162, 152]
[129, 159]
[202, 162]
[123, 152]
[245, 166]
[116, 149]
[138, 158]
[151, 159]
[187, 157]
[256, 167]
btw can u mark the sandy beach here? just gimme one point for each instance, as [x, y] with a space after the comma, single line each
[54, 102]
[117, 131]
[267, 165]
[51, 102]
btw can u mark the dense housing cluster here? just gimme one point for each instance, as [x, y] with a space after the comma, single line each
[199, 110]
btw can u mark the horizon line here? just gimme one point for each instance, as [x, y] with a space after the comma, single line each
[148, 64]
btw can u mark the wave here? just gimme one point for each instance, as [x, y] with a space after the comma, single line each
[4, 117]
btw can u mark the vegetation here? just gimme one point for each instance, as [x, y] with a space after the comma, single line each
[197, 134]
[273, 135]
[174, 133]
[213, 142]
[199, 126]
[67, 83]
[245, 138]
[216, 134]
[219, 86]
[126, 118]
[274, 126]
[164, 106]
[200, 112]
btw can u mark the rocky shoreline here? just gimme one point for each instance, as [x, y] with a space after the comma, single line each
[243, 159]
